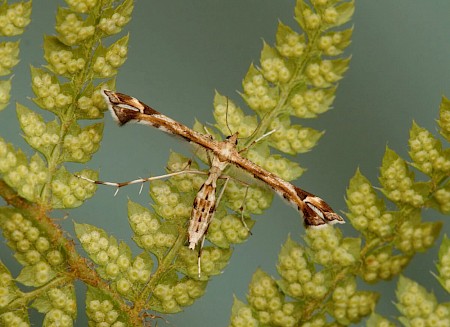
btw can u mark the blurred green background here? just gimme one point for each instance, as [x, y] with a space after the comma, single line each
[181, 51]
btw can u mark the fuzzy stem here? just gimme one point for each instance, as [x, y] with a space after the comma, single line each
[78, 267]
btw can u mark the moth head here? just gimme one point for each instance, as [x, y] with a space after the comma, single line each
[233, 139]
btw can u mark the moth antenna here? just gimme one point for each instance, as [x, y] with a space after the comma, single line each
[264, 136]
[226, 119]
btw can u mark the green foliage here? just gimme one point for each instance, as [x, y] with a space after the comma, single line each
[387, 242]
[317, 284]
[14, 18]
[69, 88]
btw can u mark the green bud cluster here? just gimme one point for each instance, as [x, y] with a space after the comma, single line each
[316, 321]
[82, 6]
[275, 70]
[171, 297]
[169, 203]
[442, 197]
[444, 117]
[112, 21]
[426, 152]
[12, 318]
[114, 260]
[8, 293]
[416, 237]
[72, 29]
[292, 139]
[252, 199]
[349, 305]
[213, 261]
[420, 308]
[290, 43]
[14, 18]
[257, 93]
[375, 320]
[230, 117]
[242, 315]
[5, 93]
[48, 90]
[324, 73]
[383, 264]
[176, 195]
[7, 290]
[129, 274]
[33, 248]
[107, 61]
[312, 102]
[37, 133]
[150, 234]
[312, 20]
[69, 191]
[9, 52]
[65, 62]
[276, 164]
[227, 230]
[329, 248]
[82, 143]
[333, 43]
[398, 181]
[26, 178]
[265, 298]
[92, 105]
[367, 211]
[63, 308]
[444, 264]
[103, 314]
[299, 279]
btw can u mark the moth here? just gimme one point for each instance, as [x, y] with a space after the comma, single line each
[125, 109]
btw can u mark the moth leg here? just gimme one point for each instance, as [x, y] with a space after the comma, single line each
[119, 185]
[241, 209]
[187, 166]
[199, 256]
[257, 140]
[148, 317]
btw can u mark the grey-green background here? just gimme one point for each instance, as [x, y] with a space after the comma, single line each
[181, 51]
